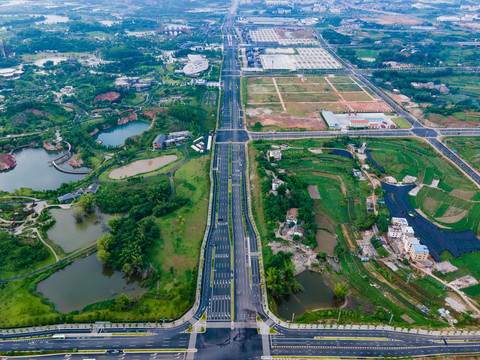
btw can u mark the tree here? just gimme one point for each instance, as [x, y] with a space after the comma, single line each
[87, 203]
[341, 290]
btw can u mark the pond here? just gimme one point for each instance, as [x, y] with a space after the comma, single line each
[84, 282]
[316, 294]
[73, 230]
[116, 136]
[34, 171]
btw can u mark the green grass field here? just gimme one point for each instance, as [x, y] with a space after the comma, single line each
[451, 203]
[468, 148]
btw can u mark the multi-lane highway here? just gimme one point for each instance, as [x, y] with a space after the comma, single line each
[232, 295]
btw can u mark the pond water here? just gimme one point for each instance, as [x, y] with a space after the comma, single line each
[316, 294]
[34, 171]
[326, 242]
[84, 282]
[73, 230]
[116, 136]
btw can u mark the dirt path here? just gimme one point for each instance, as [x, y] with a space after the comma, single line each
[458, 292]
[343, 101]
[279, 95]
[47, 245]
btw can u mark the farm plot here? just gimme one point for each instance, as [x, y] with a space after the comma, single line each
[467, 147]
[295, 102]
[452, 203]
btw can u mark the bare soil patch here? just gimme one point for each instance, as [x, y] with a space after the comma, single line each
[390, 20]
[141, 166]
[430, 205]
[313, 191]
[109, 96]
[465, 195]
[452, 121]
[453, 218]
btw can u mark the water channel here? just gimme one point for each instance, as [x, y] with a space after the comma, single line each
[316, 294]
[34, 171]
[84, 282]
[73, 230]
[116, 136]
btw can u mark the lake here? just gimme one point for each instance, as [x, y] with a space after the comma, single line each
[116, 136]
[85, 282]
[316, 294]
[34, 171]
[73, 231]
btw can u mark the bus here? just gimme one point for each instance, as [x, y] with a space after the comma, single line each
[58, 337]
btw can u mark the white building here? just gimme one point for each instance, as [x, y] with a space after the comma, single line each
[276, 183]
[399, 221]
[408, 242]
[10, 73]
[276, 154]
[196, 65]
[394, 232]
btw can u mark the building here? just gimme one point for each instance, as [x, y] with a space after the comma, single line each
[358, 121]
[275, 154]
[408, 242]
[276, 183]
[10, 73]
[159, 141]
[302, 58]
[394, 232]
[399, 221]
[196, 65]
[125, 83]
[331, 120]
[68, 91]
[92, 188]
[419, 252]
[290, 220]
[66, 197]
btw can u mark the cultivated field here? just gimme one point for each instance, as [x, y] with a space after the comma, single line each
[467, 147]
[452, 203]
[295, 102]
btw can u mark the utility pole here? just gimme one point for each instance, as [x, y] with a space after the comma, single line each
[293, 315]
[339, 314]
[391, 318]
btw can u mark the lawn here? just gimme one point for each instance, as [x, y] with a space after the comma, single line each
[181, 232]
[401, 123]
